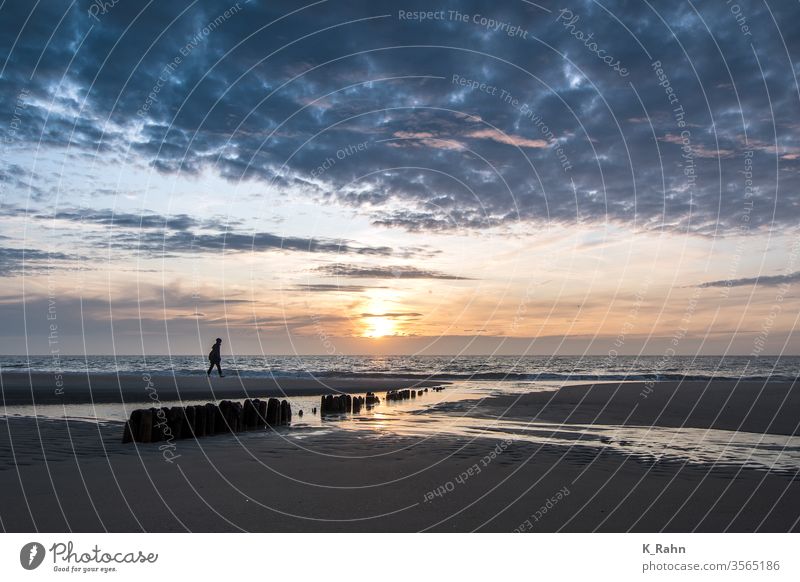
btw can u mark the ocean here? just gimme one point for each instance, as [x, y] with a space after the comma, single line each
[499, 368]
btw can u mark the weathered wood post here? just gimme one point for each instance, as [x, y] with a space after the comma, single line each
[286, 412]
[132, 429]
[211, 419]
[175, 420]
[273, 412]
[188, 422]
[199, 421]
[248, 415]
[157, 432]
[262, 413]
[224, 416]
[219, 420]
[146, 426]
[237, 416]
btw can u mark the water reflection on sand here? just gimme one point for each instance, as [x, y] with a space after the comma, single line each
[439, 414]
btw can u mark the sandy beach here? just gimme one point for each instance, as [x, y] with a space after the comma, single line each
[749, 406]
[77, 476]
[132, 388]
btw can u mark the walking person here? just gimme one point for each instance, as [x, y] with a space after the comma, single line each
[214, 358]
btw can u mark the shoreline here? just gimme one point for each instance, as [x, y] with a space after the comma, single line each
[41, 388]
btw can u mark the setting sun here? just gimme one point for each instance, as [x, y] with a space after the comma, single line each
[379, 327]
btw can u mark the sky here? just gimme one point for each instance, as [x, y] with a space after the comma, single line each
[399, 177]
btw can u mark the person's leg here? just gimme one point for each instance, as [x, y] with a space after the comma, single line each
[211, 367]
[219, 369]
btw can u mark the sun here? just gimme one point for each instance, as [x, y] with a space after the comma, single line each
[378, 327]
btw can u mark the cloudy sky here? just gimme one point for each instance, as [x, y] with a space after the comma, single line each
[399, 177]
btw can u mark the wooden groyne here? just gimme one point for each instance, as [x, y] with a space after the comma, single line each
[149, 425]
[347, 404]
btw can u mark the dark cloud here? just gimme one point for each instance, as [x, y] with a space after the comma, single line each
[18, 261]
[394, 315]
[764, 281]
[393, 272]
[190, 242]
[328, 288]
[126, 220]
[150, 232]
[553, 135]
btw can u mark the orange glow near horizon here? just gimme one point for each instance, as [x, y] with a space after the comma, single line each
[378, 327]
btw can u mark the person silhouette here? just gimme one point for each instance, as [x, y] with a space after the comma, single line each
[214, 358]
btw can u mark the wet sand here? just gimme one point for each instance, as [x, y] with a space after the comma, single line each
[130, 388]
[758, 407]
[77, 476]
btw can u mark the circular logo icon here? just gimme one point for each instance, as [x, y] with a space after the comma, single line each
[31, 555]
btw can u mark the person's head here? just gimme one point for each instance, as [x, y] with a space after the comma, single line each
[219, 340]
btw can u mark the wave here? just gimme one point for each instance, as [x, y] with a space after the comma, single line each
[499, 376]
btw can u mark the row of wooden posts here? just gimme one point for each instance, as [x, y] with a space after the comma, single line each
[393, 395]
[345, 403]
[150, 425]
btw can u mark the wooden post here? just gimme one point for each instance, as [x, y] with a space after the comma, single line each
[176, 421]
[219, 420]
[157, 433]
[211, 419]
[238, 416]
[262, 413]
[199, 421]
[248, 415]
[188, 421]
[146, 426]
[131, 433]
[286, 412]
[273, 412]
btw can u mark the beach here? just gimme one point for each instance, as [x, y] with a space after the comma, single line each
[74, 388]
[502, 463]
